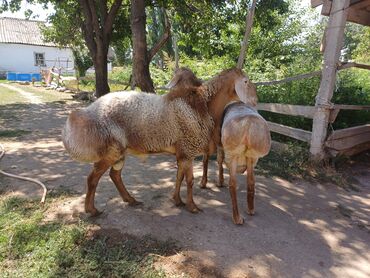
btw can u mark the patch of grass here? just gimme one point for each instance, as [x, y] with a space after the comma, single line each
[8, 96]
[30, 247]
[13, 133]
[43, 94]
[294, 162]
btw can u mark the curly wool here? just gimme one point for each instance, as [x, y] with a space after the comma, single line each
[140, 122]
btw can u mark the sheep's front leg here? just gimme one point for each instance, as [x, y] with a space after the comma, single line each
[250, 185]
[232, 188]
[203, 183]
[92, 182]
[115, 175]
[179, 178]
[190, 205]
[220, 160]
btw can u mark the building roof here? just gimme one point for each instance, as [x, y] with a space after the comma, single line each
[358, 10]
[22, 31]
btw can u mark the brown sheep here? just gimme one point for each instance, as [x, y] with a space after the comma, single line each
[180, 123]
[245, 137]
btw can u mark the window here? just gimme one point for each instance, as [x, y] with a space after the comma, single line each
[39, 59]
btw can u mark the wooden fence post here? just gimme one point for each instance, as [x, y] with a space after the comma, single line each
[333, 42]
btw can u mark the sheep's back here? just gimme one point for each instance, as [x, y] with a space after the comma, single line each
[244, 131]
[149, 123]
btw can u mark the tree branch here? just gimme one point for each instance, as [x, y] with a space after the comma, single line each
[158, 45]
[95, 19]
[248, 28]
[87, 28]
[108, 24]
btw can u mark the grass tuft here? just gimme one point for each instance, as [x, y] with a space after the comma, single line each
[31, 247]
[13, 133]
[293, 162]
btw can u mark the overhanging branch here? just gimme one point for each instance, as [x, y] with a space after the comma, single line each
[166, 34]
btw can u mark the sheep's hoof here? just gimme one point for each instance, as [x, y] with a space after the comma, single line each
[220, 184]
[250, 211]
[134, 203]
[193, 208]
[179, 203]
[94, 212]
[203, 184]
[238, 220]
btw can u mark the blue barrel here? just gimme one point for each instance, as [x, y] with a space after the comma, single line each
[11, 76]
[24, 77]
[36, 77]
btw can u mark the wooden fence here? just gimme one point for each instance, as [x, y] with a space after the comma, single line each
[346, 141]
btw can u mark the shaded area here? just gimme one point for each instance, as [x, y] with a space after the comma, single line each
[31, 247]
[300, 229]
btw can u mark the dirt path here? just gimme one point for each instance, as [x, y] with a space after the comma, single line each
[299, 230]
[27, 95]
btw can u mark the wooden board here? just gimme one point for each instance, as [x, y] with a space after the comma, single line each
[348, 142]
[357, 149]
[351, 107]
[288, 109]
[296, 133]
[316, 3]
[360, 16]
[348, 132]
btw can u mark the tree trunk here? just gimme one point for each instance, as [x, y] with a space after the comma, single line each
[97, 30]
[140, 59]
[101, 74]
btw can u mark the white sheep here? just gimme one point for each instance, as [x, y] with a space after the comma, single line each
[181, 122]
[245, 137]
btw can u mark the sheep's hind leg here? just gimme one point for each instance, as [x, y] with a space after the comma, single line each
[92, 182]
[179, 178]
[190, 205]
[203, 183]
[237, 219]
[250, 185]
[115, 175]
[220, 160]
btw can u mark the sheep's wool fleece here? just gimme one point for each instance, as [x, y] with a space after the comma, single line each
[244, 133]
[142, 122]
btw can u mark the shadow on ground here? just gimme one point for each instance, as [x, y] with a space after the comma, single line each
[299, 230]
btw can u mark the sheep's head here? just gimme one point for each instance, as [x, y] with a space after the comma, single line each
[228, 86]
[246, 91]
[184, 77]
[236, 85]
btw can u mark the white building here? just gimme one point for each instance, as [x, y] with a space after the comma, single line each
[23, 50]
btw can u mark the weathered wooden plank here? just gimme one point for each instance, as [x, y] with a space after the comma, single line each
[334, 40]
[347, 65]
[288, 109]
[359, 16]
[347, 132]
[326, 7]
[299, 134]
[359, 4]
[356, 149]
[348, 142]
[351, 107]
[316, 3]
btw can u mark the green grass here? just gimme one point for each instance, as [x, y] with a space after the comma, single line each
[8, 96]
[30, 247]
[293, 162]
[43, 94]
[11, 133]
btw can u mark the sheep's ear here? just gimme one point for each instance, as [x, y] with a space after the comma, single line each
[241, 89]
[246, 91]
[173, 82]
